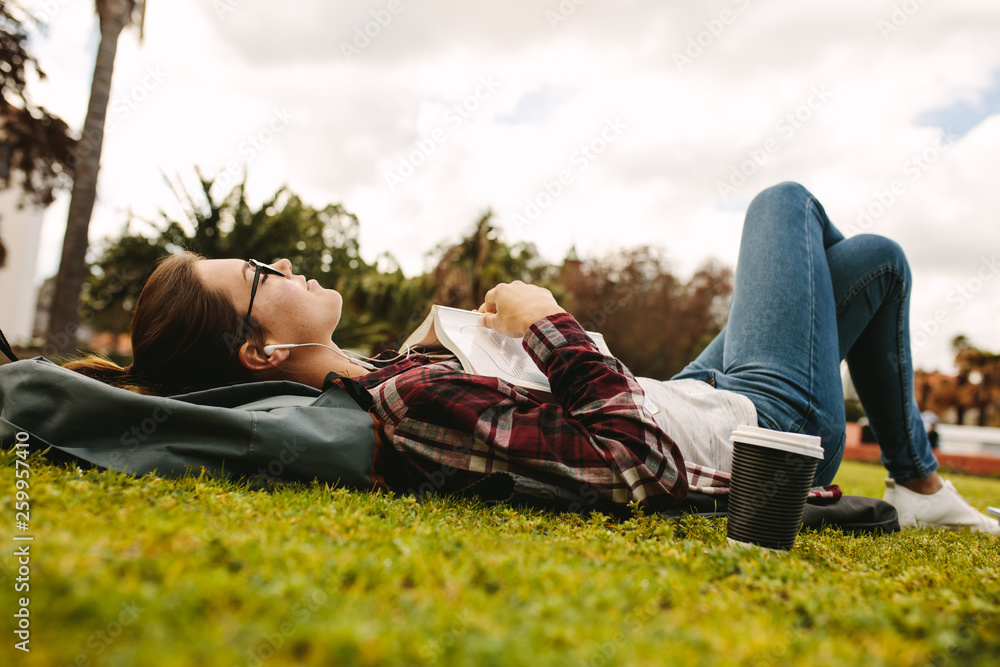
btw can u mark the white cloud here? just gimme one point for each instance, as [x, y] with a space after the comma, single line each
[688, 127]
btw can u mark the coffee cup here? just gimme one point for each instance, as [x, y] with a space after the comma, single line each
[771, 477]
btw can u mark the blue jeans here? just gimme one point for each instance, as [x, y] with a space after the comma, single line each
[804, 299]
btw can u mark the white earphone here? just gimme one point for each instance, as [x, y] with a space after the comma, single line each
[269, 350]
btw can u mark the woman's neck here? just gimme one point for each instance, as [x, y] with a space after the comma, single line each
[310, 365]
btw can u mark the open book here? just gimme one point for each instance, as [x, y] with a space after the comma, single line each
[483, 351]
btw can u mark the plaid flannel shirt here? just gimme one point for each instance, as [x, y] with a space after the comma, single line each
[449, 428]
[446, 429]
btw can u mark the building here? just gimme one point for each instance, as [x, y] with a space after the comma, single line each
[20, 231]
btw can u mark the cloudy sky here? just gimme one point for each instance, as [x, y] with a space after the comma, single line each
[597, 123]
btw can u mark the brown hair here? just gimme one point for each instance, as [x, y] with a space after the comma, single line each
[184, 336]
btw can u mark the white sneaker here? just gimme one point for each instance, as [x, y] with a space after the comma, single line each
[946, 509]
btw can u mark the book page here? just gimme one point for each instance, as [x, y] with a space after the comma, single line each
[493, 354]
[489, 352]
[517, 361]
[421, 333]
[502, 356]
[452, 321]
[600, 343]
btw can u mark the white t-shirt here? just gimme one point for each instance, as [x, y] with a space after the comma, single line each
[699, 418]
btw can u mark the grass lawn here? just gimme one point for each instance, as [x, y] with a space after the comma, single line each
[202, 572]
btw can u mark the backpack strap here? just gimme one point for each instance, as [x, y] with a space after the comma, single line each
[5, 347]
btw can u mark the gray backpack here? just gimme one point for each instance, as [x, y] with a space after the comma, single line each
[281, 430]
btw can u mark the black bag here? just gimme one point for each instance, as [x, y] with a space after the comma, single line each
[852, 514]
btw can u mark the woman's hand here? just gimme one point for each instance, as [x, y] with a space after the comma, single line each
[511, 308]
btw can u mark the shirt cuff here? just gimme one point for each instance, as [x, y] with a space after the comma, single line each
[544, 336]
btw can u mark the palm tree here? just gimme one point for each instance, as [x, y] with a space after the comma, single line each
[478, 262]
[114, 15]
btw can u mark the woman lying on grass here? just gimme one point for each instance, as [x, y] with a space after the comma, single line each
[804, 299]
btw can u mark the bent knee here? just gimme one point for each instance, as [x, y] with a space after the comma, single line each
[784, 191]
[884, 250]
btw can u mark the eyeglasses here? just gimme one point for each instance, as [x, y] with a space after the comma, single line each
[259, 267]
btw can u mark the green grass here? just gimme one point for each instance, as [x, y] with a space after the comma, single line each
[203, 572]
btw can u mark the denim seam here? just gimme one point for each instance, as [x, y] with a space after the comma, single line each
[862, 284]
[834, 461]
[922, 471]
[812, 320]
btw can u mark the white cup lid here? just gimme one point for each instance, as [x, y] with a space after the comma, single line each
[798, 443]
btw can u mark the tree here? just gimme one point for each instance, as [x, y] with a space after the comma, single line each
[652, 321]
[465, 270]
[36, 144]
[114, 15]
[321, 243]
[978, 381]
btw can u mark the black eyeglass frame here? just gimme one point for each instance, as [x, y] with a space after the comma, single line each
[259, 267]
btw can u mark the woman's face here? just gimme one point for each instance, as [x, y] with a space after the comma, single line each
[291, 309]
